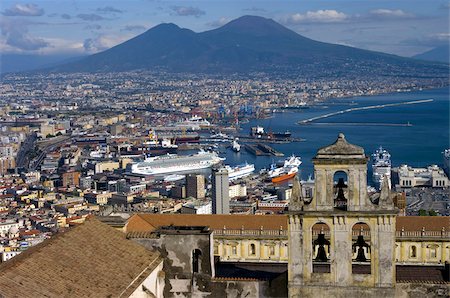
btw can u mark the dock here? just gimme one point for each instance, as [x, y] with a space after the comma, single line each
[262, 150]
[267, 149]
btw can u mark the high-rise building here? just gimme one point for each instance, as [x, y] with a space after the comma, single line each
[195, 186]
[220, 191]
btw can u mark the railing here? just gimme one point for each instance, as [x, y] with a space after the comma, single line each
[261, 232]
[422, 234]
[398, 234]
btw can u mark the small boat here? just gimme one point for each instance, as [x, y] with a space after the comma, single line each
[236, 146]
[173, 177]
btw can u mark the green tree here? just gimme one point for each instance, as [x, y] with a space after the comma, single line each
[432, 213]
[423, 212]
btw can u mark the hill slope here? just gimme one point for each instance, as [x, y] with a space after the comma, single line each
[439, 54]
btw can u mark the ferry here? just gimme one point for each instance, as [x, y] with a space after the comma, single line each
[240, 171]
[172, 163]
[381, 166]
[287, 170]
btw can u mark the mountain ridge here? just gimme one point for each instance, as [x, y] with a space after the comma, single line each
[246, 44]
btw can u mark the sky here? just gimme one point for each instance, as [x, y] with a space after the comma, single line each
[73, 28]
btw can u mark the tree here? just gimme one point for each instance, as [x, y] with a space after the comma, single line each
[432, 213]
[423, 212]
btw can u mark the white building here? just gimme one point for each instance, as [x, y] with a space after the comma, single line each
[432, 176]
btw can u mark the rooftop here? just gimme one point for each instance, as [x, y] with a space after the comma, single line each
[90, 260]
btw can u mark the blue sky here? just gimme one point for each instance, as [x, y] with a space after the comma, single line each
[404, 27]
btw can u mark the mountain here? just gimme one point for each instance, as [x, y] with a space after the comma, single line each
[439, 54]
[246, 44]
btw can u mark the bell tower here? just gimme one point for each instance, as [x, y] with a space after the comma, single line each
[341, 243]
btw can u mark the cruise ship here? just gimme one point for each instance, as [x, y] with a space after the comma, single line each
[381, 166]
[172, 163]
[194, 123]
[446, 156]
[239, 171]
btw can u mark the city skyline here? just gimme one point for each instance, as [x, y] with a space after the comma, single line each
[403, 28]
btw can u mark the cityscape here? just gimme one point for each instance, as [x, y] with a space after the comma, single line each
[211, 163]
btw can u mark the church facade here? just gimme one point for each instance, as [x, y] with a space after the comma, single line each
[341, 243]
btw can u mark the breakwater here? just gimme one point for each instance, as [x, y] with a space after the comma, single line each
[328, 115]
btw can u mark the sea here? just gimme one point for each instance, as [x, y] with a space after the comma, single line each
[415, 134]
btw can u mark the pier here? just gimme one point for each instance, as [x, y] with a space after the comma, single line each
[262, 150]
[309, 120]
[361, 124]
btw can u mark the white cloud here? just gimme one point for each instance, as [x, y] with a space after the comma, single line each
[185, 11]
[103, 42]
[218, 23]
[14, 33]
[390, 13]
[319, 16]
[24, 10]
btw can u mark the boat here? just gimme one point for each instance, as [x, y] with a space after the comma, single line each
[173, 163]
[381, 166]
[259, 133]
[236, 147]
[173, 177]
[283, 173]
[194, 123]
[240, 171]
[446, 156]
[287, 170]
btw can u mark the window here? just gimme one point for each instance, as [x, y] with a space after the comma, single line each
[216, 249]
[413, 252]
[196, 254]
[234, 250]
[252, 249]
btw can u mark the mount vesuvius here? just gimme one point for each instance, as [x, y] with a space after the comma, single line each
[246, 44]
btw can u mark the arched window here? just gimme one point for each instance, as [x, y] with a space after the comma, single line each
[413, 251]
[196, 254]
[361, 248]
[252, 249]
[340, 190]
[321, 248]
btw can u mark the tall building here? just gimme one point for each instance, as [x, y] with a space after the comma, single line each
[195, 186]
[220, 191]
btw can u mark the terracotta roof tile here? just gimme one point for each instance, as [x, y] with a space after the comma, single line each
[149, 222]
[90, 260]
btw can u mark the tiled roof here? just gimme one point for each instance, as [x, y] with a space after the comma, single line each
[150, 222]
[90, 260]
[416, 223]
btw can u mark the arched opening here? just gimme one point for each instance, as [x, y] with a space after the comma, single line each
[413, 251]
[361, 249]
[340, 186]
[196, 254]
[321, 248]
[252, 249]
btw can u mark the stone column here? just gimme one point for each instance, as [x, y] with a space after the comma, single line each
[296, 257]
[341, 263]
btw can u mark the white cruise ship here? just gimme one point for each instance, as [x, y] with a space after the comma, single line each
[381, 166]
[194, 123]
[239, 171]
[172, 163]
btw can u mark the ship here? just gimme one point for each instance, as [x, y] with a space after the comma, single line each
[240, 171]
[173, 177]
[236, 147]
[381, 166]
[194, 123]
[446, 156]
[287, 170]
[283, 173]
[259, 133]
[172, 163]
